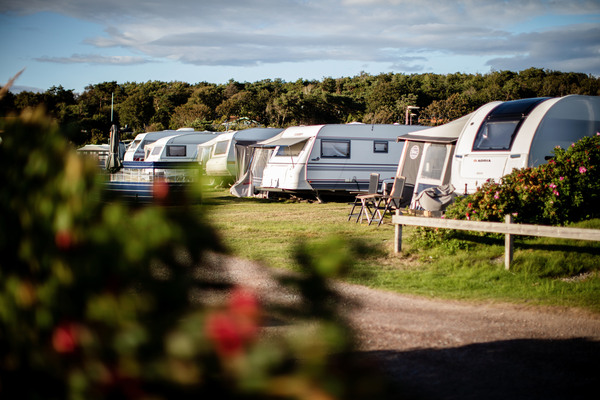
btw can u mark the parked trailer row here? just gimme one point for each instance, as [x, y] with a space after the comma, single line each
[486, 144]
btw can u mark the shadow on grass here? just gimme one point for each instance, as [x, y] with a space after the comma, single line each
[530, 243]
[514, 369]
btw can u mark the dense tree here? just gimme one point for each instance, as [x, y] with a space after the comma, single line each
[367, 98]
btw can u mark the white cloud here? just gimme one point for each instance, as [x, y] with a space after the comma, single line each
[400, 32]
[94, 59]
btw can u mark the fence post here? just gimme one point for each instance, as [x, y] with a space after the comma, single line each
[397, 236]
[508, 244]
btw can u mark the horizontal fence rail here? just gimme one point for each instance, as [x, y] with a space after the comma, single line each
[507, 228]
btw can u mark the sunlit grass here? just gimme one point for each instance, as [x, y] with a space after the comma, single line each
[467, 266]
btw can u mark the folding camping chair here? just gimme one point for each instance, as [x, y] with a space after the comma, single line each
[365, 200]
[388, 202]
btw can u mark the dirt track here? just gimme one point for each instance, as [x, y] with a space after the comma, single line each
[456, 350]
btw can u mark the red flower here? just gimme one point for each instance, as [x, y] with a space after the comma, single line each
[231, 329]
[65, 338]
[223, 331]
[63, 239]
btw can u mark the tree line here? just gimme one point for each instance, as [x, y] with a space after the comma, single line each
[384, 98]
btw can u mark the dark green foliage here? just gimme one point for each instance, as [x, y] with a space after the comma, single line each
[364, 98]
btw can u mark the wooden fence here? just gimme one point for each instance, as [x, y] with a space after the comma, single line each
[508, 228]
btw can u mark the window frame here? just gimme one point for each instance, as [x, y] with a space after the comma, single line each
[342, 141]
[219, 146]
[172, 147]
[381, 142]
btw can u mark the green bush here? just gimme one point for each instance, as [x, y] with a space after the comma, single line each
[565, 190]
[102, 299]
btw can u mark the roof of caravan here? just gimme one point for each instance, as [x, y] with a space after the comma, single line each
[159, 134]
[186, 138]
[256, 133]
[298, 134]
[446, 133]
[94, 147]
[246, 134]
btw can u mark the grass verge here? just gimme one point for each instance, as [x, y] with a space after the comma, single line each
[463, 266]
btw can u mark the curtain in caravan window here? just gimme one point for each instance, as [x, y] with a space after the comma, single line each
[335, 148]
[176, 151]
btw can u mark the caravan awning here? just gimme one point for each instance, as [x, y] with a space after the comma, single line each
[428, 139]
[274, 142]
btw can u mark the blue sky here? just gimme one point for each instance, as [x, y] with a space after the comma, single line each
[75, 43]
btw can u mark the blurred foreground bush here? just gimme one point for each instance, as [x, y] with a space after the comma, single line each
[99, 299]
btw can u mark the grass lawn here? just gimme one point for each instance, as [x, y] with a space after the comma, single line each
[466, 266]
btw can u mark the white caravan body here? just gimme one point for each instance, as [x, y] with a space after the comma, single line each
[177, 148]
[502, 136]
[136, 150]
[219, 156]
[332, 158]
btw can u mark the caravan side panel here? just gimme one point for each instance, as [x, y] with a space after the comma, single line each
[344, 164]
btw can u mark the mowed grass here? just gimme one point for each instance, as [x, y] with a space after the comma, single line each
[468, 266]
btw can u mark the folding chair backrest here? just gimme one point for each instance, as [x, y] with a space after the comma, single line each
[373, 183]
[398, 187]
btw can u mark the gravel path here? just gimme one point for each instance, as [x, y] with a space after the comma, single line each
[460, 350]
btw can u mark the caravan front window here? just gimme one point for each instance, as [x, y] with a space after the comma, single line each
[290, 151]
[156, 150]
[335, 148]
[221, 147]
[433, 164]
[496, 135]
[176, 151]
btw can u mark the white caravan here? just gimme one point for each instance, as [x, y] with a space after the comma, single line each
[177, 148]
[220, 156]
[502, 136]
[332, 158]
[136, 151]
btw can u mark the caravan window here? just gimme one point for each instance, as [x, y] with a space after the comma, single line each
[221, 147]
[380, 146]
[433, 164]
[335, 148]
[156, 150]
[290, 151]
[176, 151]
[496, 135]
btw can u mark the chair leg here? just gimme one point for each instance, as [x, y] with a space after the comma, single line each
[376, 214]
[365, 210]
[388, 208]
[351, 215]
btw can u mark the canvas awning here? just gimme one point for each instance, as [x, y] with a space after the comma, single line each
[279, 141]
[428, 139]
[447, 133]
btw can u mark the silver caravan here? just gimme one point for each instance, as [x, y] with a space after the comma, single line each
[332, 158]
[502, 136]
[136, 151]
[220, 156]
